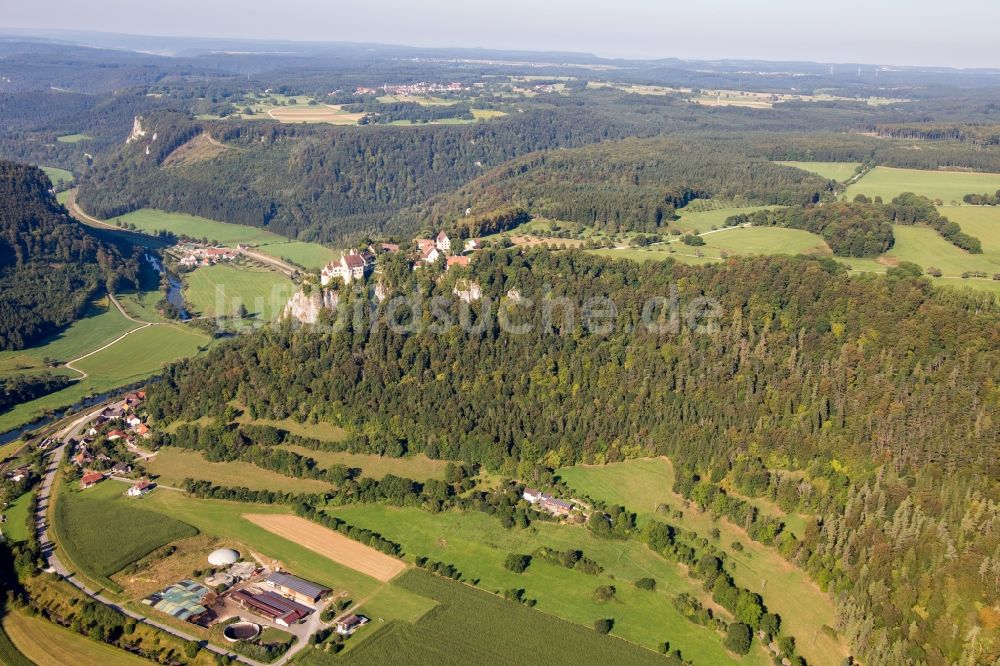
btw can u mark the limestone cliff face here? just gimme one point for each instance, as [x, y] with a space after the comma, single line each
[137, 131]
[307, 308]
[468, 291]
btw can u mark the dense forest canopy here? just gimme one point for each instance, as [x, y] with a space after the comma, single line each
[812, 369]
[50, 266]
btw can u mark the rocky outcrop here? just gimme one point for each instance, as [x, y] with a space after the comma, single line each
[306, 308]
[137, 131]
[468, 291]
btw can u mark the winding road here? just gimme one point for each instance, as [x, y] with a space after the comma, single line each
[144, 324]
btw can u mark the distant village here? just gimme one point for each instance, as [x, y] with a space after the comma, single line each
[414, 89]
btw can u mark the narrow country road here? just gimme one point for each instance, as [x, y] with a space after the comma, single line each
[143, 324]
[48, 545]
[55, 565]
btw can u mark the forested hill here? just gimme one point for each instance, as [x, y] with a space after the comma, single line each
[321, 183]
[50, 266]
[869, 402]
[634, 184]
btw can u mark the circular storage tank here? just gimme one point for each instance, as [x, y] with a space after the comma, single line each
[223, 557]
[241, 631]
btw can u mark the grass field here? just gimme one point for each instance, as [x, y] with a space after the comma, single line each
[48, 644]
[641, 485]
[310, 255]
[57, 175]
[142, 354]
[218, 291]
[74, 138]
[477, 544]
[418, 467]
[948, 186]
[135, 357]
[15, 527]
[325, 432]
[100, 534]
[330, 544]
[838, 171]
[706, 220]
[472, 627]
[172, 465]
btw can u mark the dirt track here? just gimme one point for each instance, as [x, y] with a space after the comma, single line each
[330, 544]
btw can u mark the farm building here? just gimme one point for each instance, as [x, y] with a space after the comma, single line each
[296, 588]
[346, 626]
[223, 557]
[272, 606]
[182, 600]
[546, 502]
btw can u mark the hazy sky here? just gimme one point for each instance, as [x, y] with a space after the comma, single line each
[903, 32]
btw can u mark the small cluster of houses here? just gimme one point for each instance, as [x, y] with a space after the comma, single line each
[546, 502]
[357, 264]
[196, 255]
[125, 424]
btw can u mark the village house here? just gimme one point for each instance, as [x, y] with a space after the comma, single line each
[351, 266]
[442, 242]
[133, 420]
[143, 431]
[471, 245]
[140, 489]
[115, 435]
[90, 479]
[121, 469]
[457, 260]
[348, 625]
[546, 502]
[82, 458]
[19, 474]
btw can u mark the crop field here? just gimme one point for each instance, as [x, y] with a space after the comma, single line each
[642, 485]
[332, 545]
[15, 527]
[319, 113]
[57, 175]
[101, 535]
[838, 171]
[74, 138]
[477, 544]
[48, 644]
[218, 291]
[418, 467]
[171, 465]
[473, 627]
[948, 186]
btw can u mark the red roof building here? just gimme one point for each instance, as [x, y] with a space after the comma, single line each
[91, 478]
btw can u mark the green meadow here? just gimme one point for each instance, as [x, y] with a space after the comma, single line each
[477, 544]
[57, 175]
[172, 465]
[74, 138]
[642, 485]
[218, 291]
[15, 526]
[309, 255]
[948, 186]
[838, 171]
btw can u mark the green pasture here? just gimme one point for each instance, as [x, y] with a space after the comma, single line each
[15, 527]
[219, 290]
[418, 467]
[948, 186]
[642, 485]
[74, 138]
[172, 465]
[477, 544]
[57, 175]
